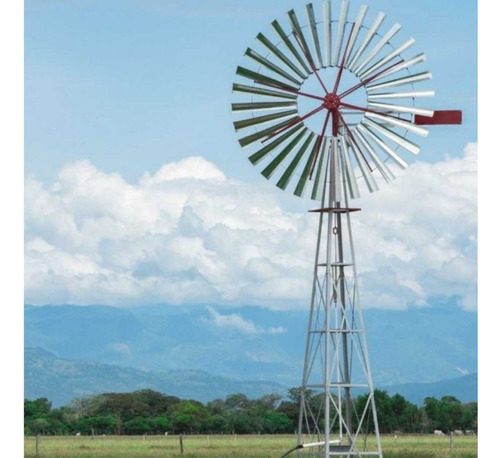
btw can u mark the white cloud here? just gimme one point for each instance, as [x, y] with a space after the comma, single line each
[236, 322]
[189, 234]
[463, 371]
[121, 348]
[189, 168]
[422, 230]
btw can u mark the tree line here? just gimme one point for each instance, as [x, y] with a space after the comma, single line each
[150, 412]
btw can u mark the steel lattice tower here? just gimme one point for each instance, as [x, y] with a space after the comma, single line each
[336, 360]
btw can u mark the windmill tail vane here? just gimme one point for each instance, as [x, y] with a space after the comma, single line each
[327, 109]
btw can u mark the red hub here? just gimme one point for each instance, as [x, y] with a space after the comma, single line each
[331, 101]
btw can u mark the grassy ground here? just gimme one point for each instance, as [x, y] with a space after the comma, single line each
[263, 446]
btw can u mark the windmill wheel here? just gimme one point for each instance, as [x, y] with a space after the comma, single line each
[329, 85]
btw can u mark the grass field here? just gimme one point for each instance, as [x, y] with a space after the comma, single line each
[262, 446]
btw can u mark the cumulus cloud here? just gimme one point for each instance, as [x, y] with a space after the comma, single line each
[420, 234]
[190, 234]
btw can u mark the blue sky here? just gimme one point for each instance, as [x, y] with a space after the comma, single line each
[131, 85]
[137, 191]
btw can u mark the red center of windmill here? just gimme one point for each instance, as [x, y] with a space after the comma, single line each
[331, 101]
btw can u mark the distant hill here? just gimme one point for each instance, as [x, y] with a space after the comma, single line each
[412, 346]
[463, 388]
[62, 380]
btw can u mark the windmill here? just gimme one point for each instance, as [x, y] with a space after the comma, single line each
[328, 109]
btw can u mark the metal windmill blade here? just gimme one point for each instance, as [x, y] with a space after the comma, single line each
[370, 118]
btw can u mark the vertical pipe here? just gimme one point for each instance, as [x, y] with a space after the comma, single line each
[336, 296]
[343, 306]
[328, 297]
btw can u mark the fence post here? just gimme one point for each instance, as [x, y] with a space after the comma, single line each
[37, 446]
[181, 444]
[451, 440]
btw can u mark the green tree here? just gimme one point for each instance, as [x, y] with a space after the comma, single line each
[277, 423]
[217, 407]
[257, 410]
[121, 406]
[385, 414]
[160, 425]
[294, 394]
[147, 411]
[431, 409]
[237, 402]
[269, 401]
[291, 410]
[190, 416]
[38, 408]
[218, 424]
[405, 414]
[446, 414]
[219, 414]
[469, 420]
[239, 423]
[154, 403]
[237, 406]
[105, 424]
[313, 402]
[137, 426]
[454, 410]
[82, 405]
[37, 417]
[413, 418]
[38, 425]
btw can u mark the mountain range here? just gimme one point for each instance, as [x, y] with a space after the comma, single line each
[245, 344]
[62, 381]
